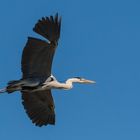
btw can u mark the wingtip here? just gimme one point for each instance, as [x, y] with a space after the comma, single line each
[49, 27]
[49, 121]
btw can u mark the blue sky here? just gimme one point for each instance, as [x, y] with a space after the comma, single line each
[100, 40]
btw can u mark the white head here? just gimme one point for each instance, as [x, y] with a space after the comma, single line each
[82, 80]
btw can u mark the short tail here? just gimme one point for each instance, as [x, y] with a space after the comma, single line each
[13, 86]
[49, 27]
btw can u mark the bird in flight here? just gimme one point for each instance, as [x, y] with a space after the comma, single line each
[37, 80]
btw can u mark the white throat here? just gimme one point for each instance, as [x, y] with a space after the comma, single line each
[68, 84]
[57, 85]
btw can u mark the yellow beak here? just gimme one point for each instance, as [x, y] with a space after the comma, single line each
[89, 81]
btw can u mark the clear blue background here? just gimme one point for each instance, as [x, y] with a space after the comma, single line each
[100, 40]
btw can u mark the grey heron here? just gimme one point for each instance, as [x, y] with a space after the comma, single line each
[37, 79]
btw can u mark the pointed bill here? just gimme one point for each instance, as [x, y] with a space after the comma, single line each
[89, 81]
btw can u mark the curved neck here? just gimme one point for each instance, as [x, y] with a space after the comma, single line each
[68, 84]
[71, 80]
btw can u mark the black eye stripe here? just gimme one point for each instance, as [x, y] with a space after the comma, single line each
[78, 77]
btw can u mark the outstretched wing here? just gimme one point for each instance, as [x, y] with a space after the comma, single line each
[37, 58]
[49, 27]
[38, 55]
[39, 107]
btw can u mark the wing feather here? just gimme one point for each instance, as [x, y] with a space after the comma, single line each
[37, 58]
[38, 55]
[49, 27]
[39, 107]
[36, 63]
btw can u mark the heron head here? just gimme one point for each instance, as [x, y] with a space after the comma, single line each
[84, 81]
